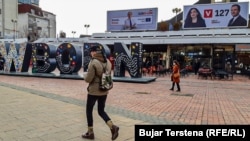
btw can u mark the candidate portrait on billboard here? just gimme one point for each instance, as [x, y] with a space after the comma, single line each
[129, 23]
[194, 19]
[218, 15]
[132, 20]
[237, 19]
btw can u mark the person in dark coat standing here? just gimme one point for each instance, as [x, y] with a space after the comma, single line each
[197, 65]
[93, 77]
[176, 80]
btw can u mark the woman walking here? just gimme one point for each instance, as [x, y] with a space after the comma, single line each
[93, 77]
[176, 76]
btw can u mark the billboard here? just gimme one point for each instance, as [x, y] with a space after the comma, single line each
[220, 15]
[25, 1]
[133, 19]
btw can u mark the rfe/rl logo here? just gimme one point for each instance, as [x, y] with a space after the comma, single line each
[208, 13]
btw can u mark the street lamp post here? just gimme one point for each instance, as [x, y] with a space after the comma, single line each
[73, 32]
[176, 11]
[49, 28]
[14, 24]
[86, 26]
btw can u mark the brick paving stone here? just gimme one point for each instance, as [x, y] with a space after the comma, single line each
[46, 108]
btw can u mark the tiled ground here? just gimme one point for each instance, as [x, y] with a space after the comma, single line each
[201, 101]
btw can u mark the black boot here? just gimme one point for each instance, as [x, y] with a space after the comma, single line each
[172, 86]
[114, 132]
[88, 135]
[178, 87]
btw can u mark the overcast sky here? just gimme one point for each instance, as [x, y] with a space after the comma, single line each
[74, 14]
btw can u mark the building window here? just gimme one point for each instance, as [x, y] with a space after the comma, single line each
[0, 11]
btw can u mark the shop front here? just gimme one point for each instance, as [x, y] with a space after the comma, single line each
[191, 56]
[242, 59]
[207, 55]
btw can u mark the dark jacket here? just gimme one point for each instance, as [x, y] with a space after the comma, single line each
[200, 23]
[240, 21]
[93, 76]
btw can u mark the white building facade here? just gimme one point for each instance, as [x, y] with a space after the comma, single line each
[8, 18]
[25, 19]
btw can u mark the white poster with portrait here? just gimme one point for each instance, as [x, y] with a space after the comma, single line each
[134, 19]
[219, 15]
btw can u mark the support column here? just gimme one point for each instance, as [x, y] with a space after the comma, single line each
[168, 56]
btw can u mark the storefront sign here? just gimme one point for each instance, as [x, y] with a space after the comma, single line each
[242, 47]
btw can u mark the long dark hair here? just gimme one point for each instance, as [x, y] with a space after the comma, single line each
[177, 63]
[189, 18]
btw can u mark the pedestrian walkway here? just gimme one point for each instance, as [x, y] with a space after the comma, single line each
[30, 115]
[54, 109]
[27, 116]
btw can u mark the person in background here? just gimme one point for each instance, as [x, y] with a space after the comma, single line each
[197, 65]
[129, 23]
[228, 67]
[194, 19]
[237, 19]
[2, 62]
[93, 77]
[176, 80]
[241, 65]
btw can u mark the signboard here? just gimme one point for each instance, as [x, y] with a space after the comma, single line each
[242, 47]
[220, 15]
[141, 19]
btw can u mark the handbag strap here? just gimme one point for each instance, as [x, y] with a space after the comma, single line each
[104, 68]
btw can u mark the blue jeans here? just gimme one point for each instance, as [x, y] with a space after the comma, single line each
[101, 100]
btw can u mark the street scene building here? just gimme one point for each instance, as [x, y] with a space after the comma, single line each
[25, 19]
[214, 46]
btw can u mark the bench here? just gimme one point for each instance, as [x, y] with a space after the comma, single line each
[222, 74]
[205, 73]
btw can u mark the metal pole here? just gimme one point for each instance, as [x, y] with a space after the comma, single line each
[14, 23]
[86, 26]
[73, 32]
[15, 29]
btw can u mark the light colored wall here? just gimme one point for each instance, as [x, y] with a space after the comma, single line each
[28, 24]
[22, 25]
[1, 19]
[9, 10]
[52, 24]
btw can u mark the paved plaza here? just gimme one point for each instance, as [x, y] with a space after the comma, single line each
[47, 109]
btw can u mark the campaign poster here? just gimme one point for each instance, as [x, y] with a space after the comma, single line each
[219, 15]
[132, 20]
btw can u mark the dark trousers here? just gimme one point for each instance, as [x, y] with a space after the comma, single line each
[101, 100]
[178, 86]
[196, 70]
[1, 67]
